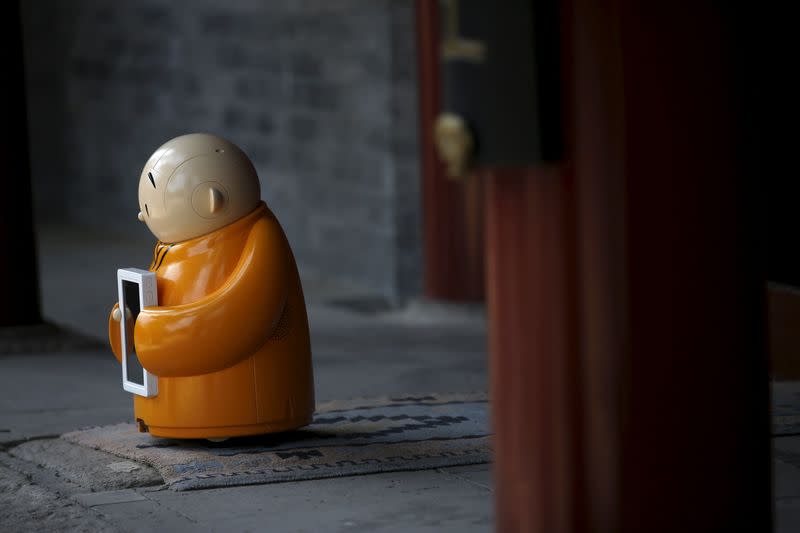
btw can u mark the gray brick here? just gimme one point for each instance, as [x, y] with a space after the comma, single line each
[105, 15]
[260, 153]
[145, 103]
[315, 95]
[97, 70]
[114, 46]
[238, 55]
[265, 124]
[156, 17]
[306, 65]
[223, 22]
[303, 129]
[259, 88]
[189, 85]
[235, 118]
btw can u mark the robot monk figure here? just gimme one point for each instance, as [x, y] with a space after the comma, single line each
[229, 338]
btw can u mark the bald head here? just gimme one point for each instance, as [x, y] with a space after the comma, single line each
[196, 184]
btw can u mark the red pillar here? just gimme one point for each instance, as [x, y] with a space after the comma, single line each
[628, 365]
[535, 387]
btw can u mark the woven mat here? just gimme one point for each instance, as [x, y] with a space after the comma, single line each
[786, 419]
[784, 425]
[347, 438]
[785, 408]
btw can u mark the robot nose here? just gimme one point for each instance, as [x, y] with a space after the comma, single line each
[140, 216]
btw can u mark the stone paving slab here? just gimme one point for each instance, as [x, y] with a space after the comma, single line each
[27, 505]
[423, 501]
[46, 394]
[92, 469]
[44, 338]
[94, 499]
[430, 500]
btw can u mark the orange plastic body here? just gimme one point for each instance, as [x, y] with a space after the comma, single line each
[229, 339]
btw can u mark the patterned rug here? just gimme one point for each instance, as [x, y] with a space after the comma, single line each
[346, 438]
[785, 408]
[786, 423]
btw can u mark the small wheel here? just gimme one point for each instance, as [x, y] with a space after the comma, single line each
[216, 440]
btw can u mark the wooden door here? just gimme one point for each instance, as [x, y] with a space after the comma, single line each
[453, 213]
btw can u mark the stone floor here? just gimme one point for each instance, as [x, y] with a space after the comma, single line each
[425, 347]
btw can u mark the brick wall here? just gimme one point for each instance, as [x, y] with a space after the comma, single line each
[320, 93]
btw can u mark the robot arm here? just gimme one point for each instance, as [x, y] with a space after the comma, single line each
[113, 333]
[225, 327]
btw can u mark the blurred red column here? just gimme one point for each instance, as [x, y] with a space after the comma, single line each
[534, 372]
[19, 303]
[625, 289]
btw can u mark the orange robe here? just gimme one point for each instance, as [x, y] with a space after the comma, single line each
[229, 339]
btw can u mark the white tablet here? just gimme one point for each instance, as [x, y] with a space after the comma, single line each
[137, 290]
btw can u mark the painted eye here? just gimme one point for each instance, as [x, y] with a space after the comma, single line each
[147, 210]
[150, 175]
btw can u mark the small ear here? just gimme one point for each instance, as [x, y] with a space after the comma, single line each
[216, 200]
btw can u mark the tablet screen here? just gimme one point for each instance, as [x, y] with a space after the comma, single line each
[130, 292]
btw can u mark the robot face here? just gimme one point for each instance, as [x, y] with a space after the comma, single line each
[196, 184]
[151, 201]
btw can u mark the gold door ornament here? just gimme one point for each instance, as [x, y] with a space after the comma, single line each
[455, 144]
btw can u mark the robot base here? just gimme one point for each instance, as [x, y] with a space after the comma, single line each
[224, 431]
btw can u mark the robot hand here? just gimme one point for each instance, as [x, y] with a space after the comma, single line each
[116, 315]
